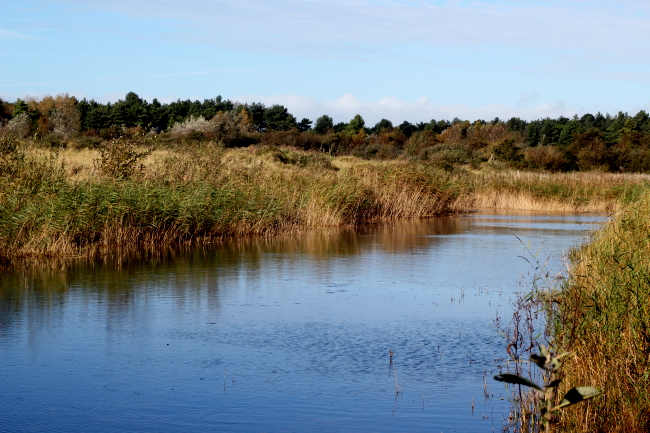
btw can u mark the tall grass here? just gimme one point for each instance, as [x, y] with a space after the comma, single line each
[604, 319]
[86, 201]
[543, 191]
[66, 204]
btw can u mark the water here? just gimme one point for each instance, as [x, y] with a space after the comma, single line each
[290, 334]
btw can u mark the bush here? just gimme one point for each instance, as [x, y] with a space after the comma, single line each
[546, 157]
[300, 159]
[507, 152]
[226, 126]
[120, 159]
[591, 151]
[20, 126]
[445, 156]
[295, 138]
[88, 142]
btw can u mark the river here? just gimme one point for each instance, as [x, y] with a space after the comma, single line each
[290, 334]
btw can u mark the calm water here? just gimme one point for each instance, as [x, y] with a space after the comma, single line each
[289, 334]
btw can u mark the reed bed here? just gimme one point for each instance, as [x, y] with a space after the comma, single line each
[64, 203]
[72, 202]
[604, 320]
[543, 191]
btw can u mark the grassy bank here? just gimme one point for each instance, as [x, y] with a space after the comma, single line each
[73, 202]
[555, 192]
[69, 202]
[604, 319]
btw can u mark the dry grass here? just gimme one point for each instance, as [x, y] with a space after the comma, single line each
[605, 320]
[555, 192]
[67, 203]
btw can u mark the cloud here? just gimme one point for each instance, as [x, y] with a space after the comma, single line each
[367, 29]
[10, 35]
[125, 77]
[397, 110]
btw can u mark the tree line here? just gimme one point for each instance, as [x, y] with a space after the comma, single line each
[602, 142]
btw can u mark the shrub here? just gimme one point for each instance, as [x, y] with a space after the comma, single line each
[507, 152]
[591, 151]
[546, 157]
[120, 159]
[11, 159]
[300, 159]
[445, 156]
[421, 140]
[191, 124]
[20, 126]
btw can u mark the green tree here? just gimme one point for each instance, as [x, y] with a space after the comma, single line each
[383, 124]
[158, 115]
[211, 107]
[132, 111]
[516, 124]
[20, 107]
[278, 118]
[256, 112]
[533, 133]
[407, 128]
[304, 125]
[340, 127]
[323, 124]
[356, 124]
[549, 132]
[569, 130]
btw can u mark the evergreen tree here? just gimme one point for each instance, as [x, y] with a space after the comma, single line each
[323, 124]
[356, 124]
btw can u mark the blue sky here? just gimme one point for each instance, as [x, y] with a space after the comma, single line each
[413, 60]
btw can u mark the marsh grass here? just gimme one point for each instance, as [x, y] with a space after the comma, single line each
[543, 191]
[65, 203]
[604, 318]
[73, 202]
[601, 314]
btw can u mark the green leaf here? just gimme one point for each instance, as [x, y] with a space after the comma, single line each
[539, 360]
[576, 395]
[517, 380]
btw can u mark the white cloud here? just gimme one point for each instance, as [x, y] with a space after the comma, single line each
[397, 110]
[339, 28]
[9, 35]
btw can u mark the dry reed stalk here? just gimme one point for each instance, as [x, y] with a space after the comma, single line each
[605, 321]
[522, 200]
[207, 192]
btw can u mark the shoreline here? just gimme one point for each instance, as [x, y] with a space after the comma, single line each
[66, 203]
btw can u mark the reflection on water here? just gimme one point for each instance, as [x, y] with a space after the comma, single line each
[285, 334]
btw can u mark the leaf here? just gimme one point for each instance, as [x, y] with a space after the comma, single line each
[539, 360]
[517, 380]
[555, 364]
[543, 351]
[576, 395]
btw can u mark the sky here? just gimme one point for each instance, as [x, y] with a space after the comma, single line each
[393, 59]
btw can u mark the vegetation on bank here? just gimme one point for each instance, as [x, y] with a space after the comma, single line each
[73, 202]
[600, 315]
[78, 178]
[604, 319]
[605, 143]
[136, 190]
